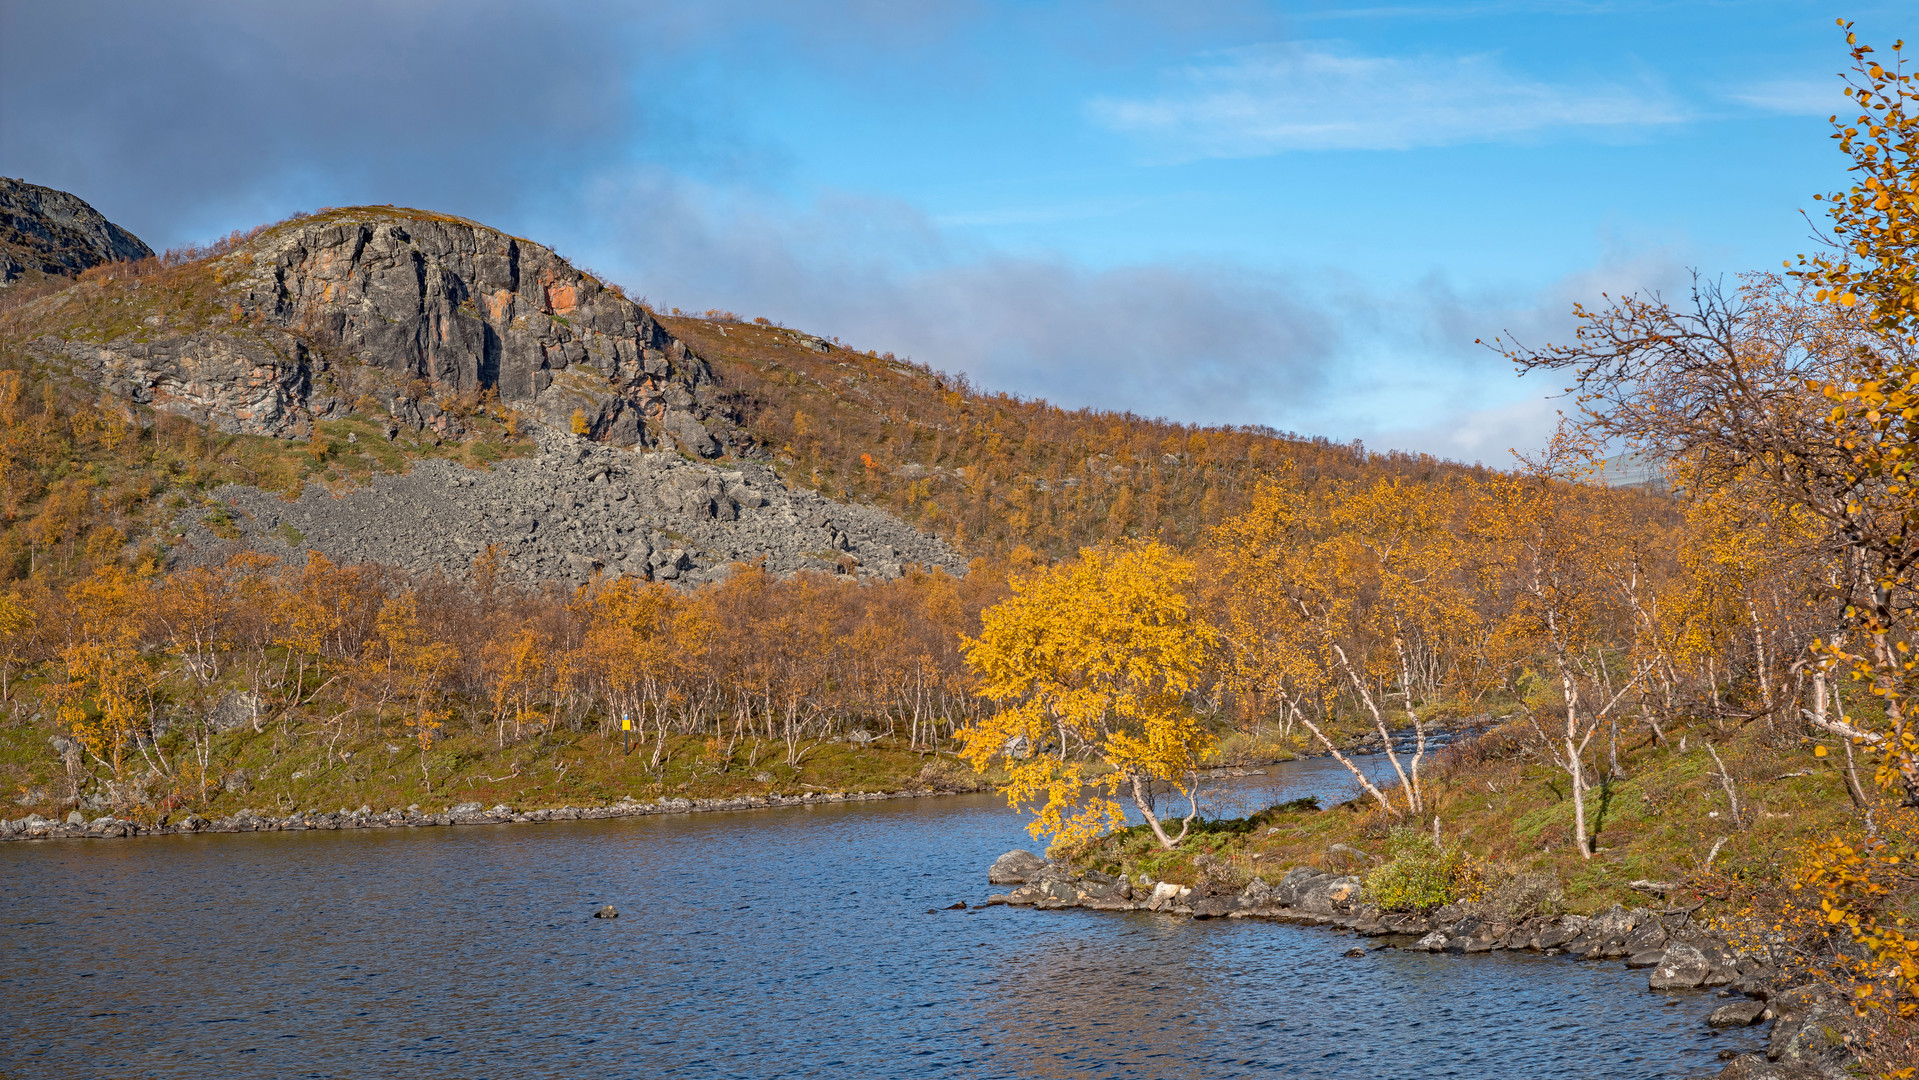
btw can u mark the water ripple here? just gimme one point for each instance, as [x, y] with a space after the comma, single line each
[791, 943]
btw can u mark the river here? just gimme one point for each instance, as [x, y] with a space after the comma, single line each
[776, 943]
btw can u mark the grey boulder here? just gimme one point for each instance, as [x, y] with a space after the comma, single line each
[1737, 1014]
[1014, 868]
[1682, 968]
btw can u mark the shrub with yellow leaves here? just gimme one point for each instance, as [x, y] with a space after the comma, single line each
[1093, 663]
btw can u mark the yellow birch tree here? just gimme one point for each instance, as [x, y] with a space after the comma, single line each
[1092, 664]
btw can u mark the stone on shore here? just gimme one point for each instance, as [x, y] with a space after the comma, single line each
[1810, 1035]
[1682, 968]
[1737, 1014]
[1808, 1042]
[1561, 934]
[1756, 1067]
[1014, 868]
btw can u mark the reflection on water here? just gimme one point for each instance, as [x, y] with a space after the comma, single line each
[779, 943]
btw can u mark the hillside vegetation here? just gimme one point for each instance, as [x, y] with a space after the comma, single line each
[991, 472]
[93, 489]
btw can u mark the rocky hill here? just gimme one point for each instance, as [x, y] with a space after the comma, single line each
[52, 233]
[408, 330]
[374, 335]
[388, 313]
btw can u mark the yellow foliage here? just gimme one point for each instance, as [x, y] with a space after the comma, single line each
[1355, 587]
[104, 664]
[1092, 663]
[416, 667]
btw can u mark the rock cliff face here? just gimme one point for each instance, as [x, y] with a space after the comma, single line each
[377, 310]
[52, 232]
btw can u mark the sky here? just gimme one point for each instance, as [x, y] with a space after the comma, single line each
[1302, 215]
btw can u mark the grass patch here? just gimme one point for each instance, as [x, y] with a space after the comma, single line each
[1510, 816]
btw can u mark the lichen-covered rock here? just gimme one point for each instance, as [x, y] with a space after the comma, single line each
[1405, 922]
[1649, 936]
[1737, 1014]
[1756, 1067]
[1214, 907]
[1809, 1035]
[1014, 867]
[1470, 935]
[1104, 890]
[1683, 967]
[1558, 935]
[1314, 891]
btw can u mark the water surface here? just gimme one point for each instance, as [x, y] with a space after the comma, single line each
[779, 943]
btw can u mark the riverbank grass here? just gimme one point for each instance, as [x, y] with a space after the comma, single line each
[1668, 815]
[301, 768]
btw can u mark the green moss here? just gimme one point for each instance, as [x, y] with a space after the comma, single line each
[221, 522]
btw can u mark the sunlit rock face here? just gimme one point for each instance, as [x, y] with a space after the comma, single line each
[376, 310]
[462, 309]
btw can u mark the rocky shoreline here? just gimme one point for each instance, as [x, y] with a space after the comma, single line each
[1808, 1038]
[77, 827]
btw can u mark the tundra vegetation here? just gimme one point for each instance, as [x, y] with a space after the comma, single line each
[1698, 688]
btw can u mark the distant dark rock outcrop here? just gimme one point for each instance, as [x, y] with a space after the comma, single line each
[51, 232]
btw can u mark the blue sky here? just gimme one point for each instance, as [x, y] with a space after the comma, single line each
[1297, 214]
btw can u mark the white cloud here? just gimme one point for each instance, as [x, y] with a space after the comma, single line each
[1271, 99]
[1310, 349]
[1192, 341]
[1487, 436]
[1796, 97]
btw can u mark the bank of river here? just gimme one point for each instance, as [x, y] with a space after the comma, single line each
[1234, 792]
[776, 943]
